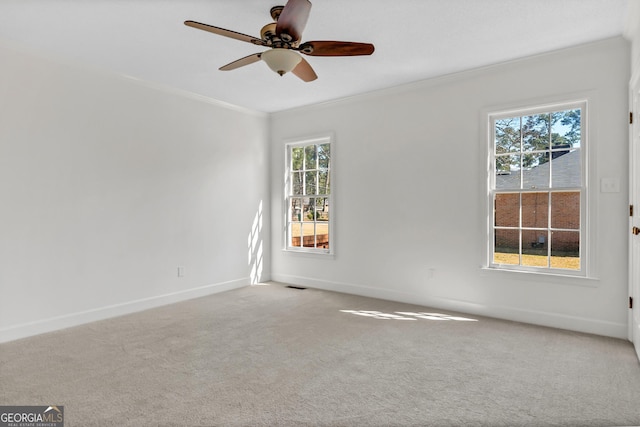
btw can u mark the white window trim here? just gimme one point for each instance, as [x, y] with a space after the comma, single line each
[325, 138]
[587, 231]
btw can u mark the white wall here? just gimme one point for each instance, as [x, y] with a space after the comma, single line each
[632, 32]
[107, 185]
[409, 193]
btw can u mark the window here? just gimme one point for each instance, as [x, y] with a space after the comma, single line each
[308, 196]
[537, 190]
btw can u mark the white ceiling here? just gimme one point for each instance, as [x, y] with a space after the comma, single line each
[414, 40]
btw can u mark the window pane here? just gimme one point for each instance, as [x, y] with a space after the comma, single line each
[297, 155]
[295, 233]
[534, 242]
[535, 132]
[508, 172]
[296, 183]
[324, 156]
[310, 183]
[565, 128]
[566, 168]
[565, 249]
[535, 210]
[507, 244]
[307, 209]
[308, 235]
[534, 248]
[565, 210]
[296, 209]
[322, 209]
[536, 170]
[323, 182]
[507, 210]
[322, 234]
[507, 138]
[310, 157]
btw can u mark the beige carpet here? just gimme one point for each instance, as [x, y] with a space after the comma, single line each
[271, 355]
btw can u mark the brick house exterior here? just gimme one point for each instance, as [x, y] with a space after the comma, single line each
[565, 211]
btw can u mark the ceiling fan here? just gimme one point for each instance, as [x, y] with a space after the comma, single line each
[283, 38]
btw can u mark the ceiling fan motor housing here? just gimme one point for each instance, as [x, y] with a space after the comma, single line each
[268, 32]
[275, 12]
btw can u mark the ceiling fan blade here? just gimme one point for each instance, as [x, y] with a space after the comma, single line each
[333, 48]
[293, 19]
[241, 62]
[304, 71]
[226, 33]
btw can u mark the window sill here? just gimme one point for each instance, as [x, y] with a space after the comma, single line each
[544, 277]
[308, 253]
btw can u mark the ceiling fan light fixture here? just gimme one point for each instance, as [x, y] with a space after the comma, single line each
[281, 60]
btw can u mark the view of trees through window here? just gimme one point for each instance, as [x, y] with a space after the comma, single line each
[537, 189]
[309, 189]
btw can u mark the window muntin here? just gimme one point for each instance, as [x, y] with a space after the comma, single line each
[308, 196]
[537, 190]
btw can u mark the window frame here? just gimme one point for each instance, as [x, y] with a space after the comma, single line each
[287, 192]
[584, 229]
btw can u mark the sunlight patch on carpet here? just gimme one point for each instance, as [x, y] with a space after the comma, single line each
[407, 315]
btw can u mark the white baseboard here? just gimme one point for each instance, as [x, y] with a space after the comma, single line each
[74, 319]
[535, 317]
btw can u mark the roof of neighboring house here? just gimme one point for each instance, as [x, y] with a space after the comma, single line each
[566, 172]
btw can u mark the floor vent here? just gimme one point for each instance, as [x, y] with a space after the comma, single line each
[297, 287]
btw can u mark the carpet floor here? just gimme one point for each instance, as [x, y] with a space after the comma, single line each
[270, 355]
